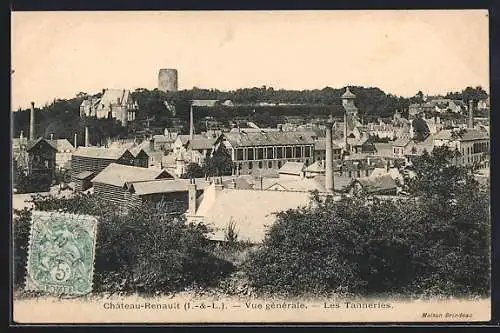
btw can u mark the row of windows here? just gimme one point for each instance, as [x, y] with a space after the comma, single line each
[478, 147]
[272, 153]
[262, 164]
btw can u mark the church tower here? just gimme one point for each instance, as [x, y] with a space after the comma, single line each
[348, 103]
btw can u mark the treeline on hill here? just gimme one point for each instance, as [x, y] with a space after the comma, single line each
[434, 242]
[62, 116]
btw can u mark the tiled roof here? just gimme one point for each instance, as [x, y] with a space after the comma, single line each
[267, 139]
[321, 145]
[117, 174]
[163, 186]
[294, 184]
[292, 168]
[401, 142]
[202, 143]
[100, 152]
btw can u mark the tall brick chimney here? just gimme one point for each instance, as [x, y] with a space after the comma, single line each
[192, 197]
[86, 136]
[329, 159]
[32, 121]
[191, 122]
[470, 123]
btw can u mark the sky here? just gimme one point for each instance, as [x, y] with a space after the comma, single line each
[58, 54]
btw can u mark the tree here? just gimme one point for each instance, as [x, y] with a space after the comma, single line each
[435, 241]
[149, 249]
[194, 170]
[219, 163]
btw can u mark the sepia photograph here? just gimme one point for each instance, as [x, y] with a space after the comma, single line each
[174, 167]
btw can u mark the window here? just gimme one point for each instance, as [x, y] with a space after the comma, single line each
[239, 154]
[260, 153]
[288, 151]
[269, 165]
[270, 154]
[250, 153]
[307, 152]
[350, 174]
[260, 164]
[279, 151]
[46, 164]
[298, 151]
[279, 164]
[250, 165]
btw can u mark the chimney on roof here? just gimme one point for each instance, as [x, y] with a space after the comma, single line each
[329, 159]
[233, 183]
[51, 136]
[470, 123]
[103, 90]
[192, 197]
[32, 121]
[218, 184]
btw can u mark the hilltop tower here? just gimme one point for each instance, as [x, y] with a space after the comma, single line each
[167, 80]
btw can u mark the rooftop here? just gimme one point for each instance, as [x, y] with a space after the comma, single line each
[243, 139]
[117, 174]
[100, 152]
[292, 168]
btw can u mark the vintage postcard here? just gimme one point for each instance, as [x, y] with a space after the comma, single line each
[251, 167]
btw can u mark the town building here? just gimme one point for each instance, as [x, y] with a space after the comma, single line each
[251, 212]
[63, 154]
[96, 159]
[374, 185]
[41, 160]
[110, 183]
[266, 150]
[114, 103]
[473, 145]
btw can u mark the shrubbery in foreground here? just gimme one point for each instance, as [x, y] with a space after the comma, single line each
[436, 241]
[150, 249]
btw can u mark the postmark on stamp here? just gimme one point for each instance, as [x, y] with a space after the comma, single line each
[61, 253]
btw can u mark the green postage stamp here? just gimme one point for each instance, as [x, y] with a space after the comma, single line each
[61, 253]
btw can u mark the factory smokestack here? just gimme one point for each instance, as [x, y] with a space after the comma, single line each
[470, 123]
[86, 136]
[32, 121]
[191, 122]
[329, 159]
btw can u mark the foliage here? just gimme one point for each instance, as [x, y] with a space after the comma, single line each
[219, 163]
[435, 241]
[149, 249]
[194, 170]
[25, 183]
[231, 233]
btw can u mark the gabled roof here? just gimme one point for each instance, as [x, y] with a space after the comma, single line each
[114, 97]
[117, 174]
[40, 140]
[292, 168]
[101, 152]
